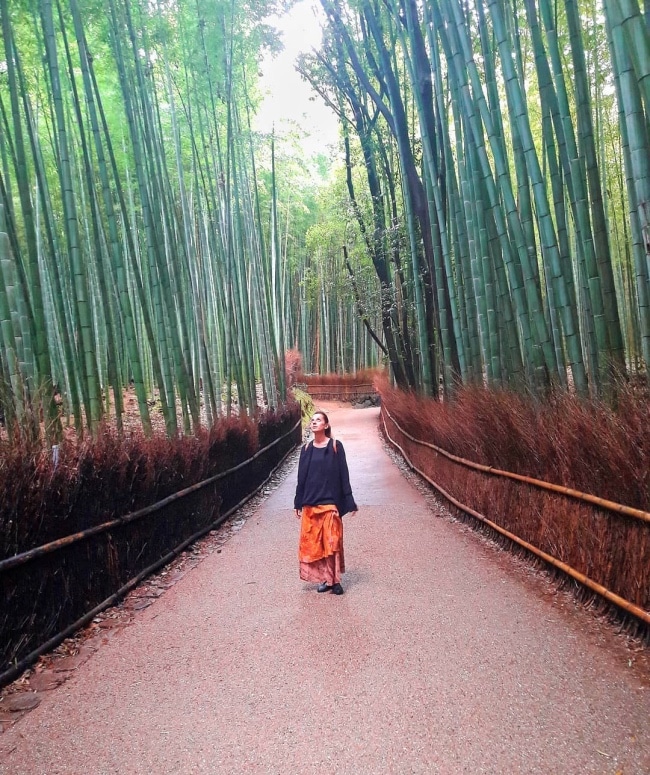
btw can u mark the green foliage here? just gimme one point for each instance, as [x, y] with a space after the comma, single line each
[129, 122]
[494, 150]
[306, 405]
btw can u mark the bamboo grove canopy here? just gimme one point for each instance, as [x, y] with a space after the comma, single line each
[498, 167]
[489, 223]
[136, 244]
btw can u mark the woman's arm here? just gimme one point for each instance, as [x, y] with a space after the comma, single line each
[302, 477]
[347, 499]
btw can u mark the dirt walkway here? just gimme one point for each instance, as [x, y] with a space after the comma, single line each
[440, 658]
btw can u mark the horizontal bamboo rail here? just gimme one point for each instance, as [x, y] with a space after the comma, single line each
[594, 586]
[60, 543]
[336, 386]
[583, 496]
[340, 391]
[15, 670]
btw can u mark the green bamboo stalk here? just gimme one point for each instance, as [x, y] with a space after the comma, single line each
[36, 309]
[97, 267]
[13, 405]
[91, 388]
[614, 352]
[126, 307]
[636, 147]
[166, 387]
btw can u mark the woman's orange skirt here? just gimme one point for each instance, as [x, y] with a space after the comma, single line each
[320, 551]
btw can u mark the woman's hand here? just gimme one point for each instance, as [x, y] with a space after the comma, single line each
[298, 513]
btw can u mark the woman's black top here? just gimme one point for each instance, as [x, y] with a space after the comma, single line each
[323, 478]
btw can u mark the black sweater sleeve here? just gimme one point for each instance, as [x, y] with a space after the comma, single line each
[303, 465]
[338, 478]
[347, 500]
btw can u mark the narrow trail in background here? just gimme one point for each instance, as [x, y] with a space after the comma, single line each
[442, 657]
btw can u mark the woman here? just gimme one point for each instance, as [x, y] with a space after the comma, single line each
[323, 496]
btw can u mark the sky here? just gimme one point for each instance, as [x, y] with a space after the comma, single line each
[288, 98]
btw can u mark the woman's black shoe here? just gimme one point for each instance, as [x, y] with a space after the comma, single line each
[337, 589]
[324, 587]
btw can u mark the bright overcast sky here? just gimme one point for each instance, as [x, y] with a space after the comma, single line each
[290, 99]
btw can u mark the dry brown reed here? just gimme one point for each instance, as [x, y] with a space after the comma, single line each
[292, 366]
[585, 445]
[342, 387]
[110, 475]
[96, 482]
[363, 377]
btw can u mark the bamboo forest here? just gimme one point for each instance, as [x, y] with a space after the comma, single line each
[483, 219]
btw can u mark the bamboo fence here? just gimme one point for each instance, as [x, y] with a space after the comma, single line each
[603, 545]
[52, 590]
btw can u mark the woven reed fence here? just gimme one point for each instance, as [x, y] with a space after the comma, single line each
[603, 545]
[50, 591]
[333, 387]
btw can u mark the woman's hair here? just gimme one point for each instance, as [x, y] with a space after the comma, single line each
[328, 430]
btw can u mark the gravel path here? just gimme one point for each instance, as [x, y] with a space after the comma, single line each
[443, 656]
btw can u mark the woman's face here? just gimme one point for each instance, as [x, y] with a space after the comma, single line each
[317, 423]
